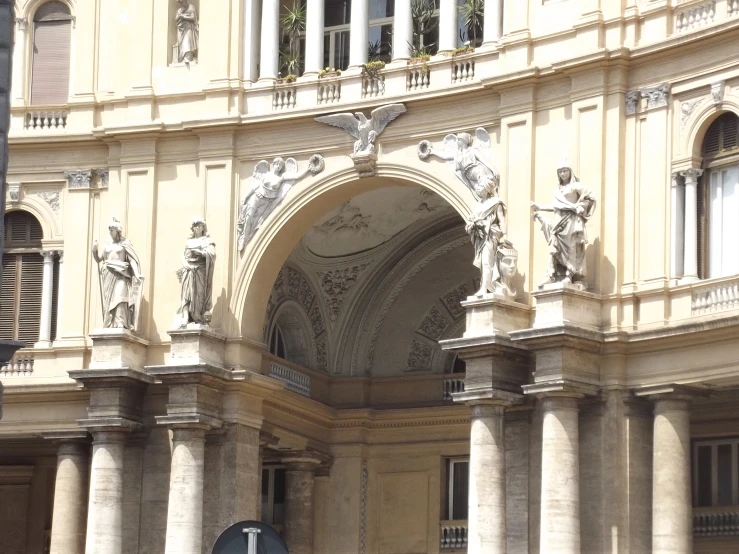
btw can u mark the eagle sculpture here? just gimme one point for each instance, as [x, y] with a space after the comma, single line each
[363, 129]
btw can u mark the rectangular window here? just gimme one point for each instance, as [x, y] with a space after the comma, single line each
[20, 297]
[715, 471]
[273, 495]
[723, 221]
[457, 488]
[50, 71]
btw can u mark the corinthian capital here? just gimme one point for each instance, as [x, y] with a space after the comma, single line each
[691, 175]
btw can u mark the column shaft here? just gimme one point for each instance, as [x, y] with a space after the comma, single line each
[560, 476]
[19, 61]
[250, 45]
[299, 508]
[487, 494]
[402, 30]
[492, 28]
[70, 499]
[448, 16]
[44, 334]
[677, 227]
[105, 508]
[672, 529]
[314, 36]
[359, 33]
[269, 50]
[690, 270]
[185, 508]
[60, 295]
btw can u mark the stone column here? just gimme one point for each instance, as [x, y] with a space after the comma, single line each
[70, 497]
[185, 508]
[560, 476]
[448, 16]
[269, 55]
[487, 493]
[19, 62]
[250, 46]
[314, 37]
[492, 27]
[105, 507]
[690, 242]
[672, 512]
[44, 333]
[359, 33]
[677, 227]
[299, 484]
[60, 295]
[402, 30]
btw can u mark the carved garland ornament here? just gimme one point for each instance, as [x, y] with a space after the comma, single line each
[336, 285]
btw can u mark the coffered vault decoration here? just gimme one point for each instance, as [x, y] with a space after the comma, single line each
[366, 132]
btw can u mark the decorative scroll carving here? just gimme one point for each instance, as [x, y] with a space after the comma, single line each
[656, 96]
[14, 192]
[78, 179]
[104, 175]
[434, 324]
[321, 355]
[717, 91]
[686, 110]
[51, 197]
[453, 300]
[419, 356]
[366, 132]
[336, 284]
[293, 282]
[316, 320]
[305, 294]
[632, 101]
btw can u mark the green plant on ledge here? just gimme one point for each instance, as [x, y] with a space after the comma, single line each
[290, 78]
[420, 56]
[329, 72]
[372, 69]
[462, 50]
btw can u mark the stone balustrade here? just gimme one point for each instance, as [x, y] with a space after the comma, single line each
[452, 386]
[373, 87]
[21, 365]
[453, 535]
[329, 92]
[720, 521]
[732, 8]
[294, 380]
[284, 97]
[694, 16]
[463, 69]
[715, 297]
[418, 77]
[45, 119]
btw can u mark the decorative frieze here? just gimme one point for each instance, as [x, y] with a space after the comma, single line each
[434, 324]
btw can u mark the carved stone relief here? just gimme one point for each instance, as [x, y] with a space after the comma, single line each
[336, 284]
[51, 197]
[321, 355]
[419, 356]
[433, 324]
[686, 110]
[656, 96]
[366, 132]
[293, 282]
[453, 300]
[14, 192]
[717, 91]
[632, 101]
[78, 179]
[305, 294]
[316, 320]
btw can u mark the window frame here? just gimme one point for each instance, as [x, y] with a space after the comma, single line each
[450, 463]
[269, 517]
[29, 54]
[714, 444]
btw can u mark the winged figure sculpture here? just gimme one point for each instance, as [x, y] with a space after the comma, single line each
[363, 129]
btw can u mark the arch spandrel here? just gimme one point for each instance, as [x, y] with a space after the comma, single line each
[266, 252]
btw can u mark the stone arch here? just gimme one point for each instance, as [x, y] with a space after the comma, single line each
[31, 7]
[39, 211]
[702, 121]
[300, 343]
[304, 205]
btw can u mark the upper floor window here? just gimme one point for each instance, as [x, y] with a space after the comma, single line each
[20, 295]
[720, 197]
[277, 343]
[716, 472]
[52, 34]
[458, 470]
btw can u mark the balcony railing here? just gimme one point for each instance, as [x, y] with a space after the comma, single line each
[451, 386]
[46, 119]
[720, 521]
[21, 365]
[453, 535]
[715, 297]
[294, 380]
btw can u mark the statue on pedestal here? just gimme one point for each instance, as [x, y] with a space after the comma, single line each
[494, 253]
[120, 279]
[270, 186]
[196, 276]
[573, 205]
[187, 32]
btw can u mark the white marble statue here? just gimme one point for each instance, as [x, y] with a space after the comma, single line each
[363, 129]
[196, 276]
[120, 279]
[270, 186]
[469, 159]
[507, 268]
[187, 32]
[573, 205]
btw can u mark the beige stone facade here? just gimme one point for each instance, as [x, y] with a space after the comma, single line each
[347, 391]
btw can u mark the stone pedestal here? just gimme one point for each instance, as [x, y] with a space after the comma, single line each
[300, 474]
[117, 348]
[562, 305]
[492, 316]
[185, 508]
[105, 509]
[70, 493]
[196, 345]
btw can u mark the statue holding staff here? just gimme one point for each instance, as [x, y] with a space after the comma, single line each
[196, 275]
[120, 279]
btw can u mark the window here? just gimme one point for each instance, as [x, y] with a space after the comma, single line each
[457, 488]
[277, 343]
[273, 495]
[719, 198]
[20, 296]
[716, 473]
[52, 33]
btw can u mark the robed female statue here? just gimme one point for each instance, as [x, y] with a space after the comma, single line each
[196, 276]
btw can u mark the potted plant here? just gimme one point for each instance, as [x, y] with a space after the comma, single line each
[472, 13]
[424, 21]
[329, 72]
[372, 69]
[293, 24]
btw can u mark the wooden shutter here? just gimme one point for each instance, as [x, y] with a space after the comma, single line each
[8, 297]
[29, 308]
[55, 298]
[50, 72]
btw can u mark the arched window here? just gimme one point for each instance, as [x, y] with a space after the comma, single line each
[277, 343]
[52, 34]
[22, 286]
[720, 197]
